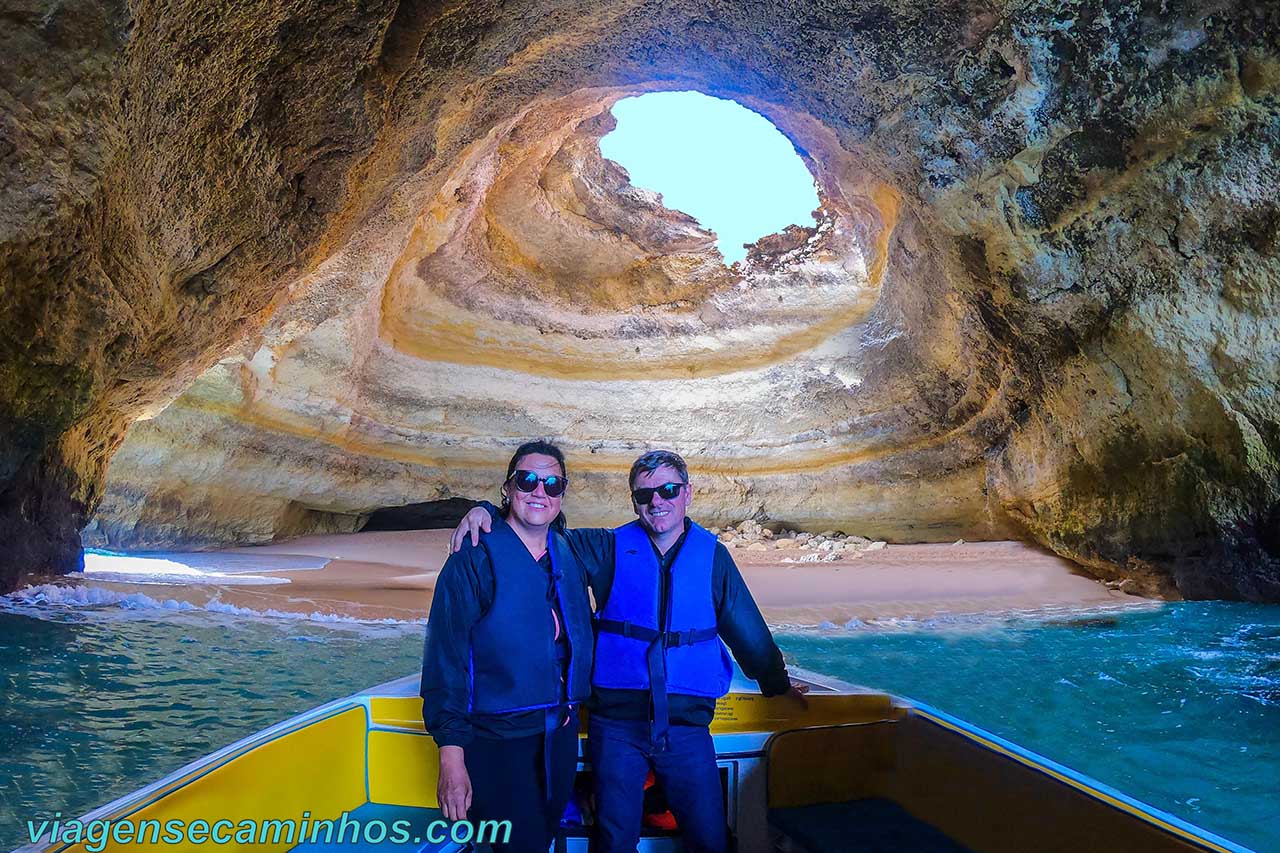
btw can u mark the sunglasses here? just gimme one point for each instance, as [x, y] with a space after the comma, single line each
[553, 484]
[667, 491]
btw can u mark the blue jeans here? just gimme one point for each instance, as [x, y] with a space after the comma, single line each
[622, 754]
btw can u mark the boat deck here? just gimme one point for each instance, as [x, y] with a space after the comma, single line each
[872, 825]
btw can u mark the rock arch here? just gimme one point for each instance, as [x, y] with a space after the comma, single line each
[371, 246]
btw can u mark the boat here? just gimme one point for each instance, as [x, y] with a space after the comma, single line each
[858, 770]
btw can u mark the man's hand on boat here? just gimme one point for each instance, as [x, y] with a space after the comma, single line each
[453, 789]
[474, 523]
[796, 695]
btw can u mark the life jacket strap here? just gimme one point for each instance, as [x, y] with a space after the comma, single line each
[628, 629]
[691, 636]
[648, 635]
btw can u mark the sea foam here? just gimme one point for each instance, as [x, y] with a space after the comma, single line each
[47, 599]
[198, 568]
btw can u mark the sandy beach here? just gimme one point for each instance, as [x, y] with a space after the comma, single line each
[392, 575]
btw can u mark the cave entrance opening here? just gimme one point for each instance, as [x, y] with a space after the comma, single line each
[726, 166]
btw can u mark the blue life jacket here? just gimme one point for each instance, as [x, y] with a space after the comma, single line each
[695, 660]
[514, 664]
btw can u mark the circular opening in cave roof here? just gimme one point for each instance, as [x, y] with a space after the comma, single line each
[714, 159]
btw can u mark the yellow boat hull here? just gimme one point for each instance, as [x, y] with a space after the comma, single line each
[820, 779]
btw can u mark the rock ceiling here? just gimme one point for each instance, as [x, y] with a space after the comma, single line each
[317, 259]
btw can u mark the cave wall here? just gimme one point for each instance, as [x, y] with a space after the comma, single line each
[560, 301]
[1065, 329]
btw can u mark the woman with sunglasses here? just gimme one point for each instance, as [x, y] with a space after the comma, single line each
[508, 657]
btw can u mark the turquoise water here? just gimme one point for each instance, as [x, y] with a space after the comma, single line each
[1178, 706]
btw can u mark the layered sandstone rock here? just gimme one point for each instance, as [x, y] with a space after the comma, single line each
[538, 293]
[1041, 299]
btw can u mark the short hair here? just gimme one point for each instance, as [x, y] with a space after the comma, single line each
[655, 459]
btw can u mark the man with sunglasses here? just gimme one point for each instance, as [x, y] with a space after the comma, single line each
[667, 594]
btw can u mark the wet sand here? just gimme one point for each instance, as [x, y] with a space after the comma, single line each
[392, 575]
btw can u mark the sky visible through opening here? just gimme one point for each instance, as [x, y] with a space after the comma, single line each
[717, 161]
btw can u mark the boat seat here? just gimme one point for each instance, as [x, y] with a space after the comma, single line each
[418, 819]
[871, 825]
[823, 792]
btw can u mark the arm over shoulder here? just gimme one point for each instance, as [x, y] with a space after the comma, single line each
[593, 546]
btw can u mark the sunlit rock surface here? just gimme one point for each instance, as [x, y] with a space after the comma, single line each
[1041, 301]
[559, 301]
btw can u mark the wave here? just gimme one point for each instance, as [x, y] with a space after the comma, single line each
[171, 568]
[54, 599]
[1050, 615]
[51, 599]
